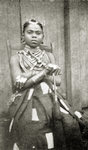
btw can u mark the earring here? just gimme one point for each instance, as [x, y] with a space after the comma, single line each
[22, 40]
[42, 42]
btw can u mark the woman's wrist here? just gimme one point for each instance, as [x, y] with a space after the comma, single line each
[30, 74]
[33, 72]
[38, 77]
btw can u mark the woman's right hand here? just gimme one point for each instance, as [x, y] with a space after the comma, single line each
[20, 81]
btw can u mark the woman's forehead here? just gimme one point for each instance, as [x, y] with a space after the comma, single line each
[34, 27]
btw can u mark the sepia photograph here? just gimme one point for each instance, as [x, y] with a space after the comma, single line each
[43, 74]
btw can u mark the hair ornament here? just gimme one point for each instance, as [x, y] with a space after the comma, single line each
[33, 20]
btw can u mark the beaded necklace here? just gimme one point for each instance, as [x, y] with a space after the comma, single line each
[36, 56]
[30, 59]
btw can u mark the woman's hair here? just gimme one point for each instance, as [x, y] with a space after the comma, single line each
[31, 21]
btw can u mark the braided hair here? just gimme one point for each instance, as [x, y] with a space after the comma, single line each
[31, 21]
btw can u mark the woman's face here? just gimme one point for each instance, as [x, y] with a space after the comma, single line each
[33, 35]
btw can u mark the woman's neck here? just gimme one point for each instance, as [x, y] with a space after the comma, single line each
[31, 49]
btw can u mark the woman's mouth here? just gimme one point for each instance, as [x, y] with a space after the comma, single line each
[34, 41]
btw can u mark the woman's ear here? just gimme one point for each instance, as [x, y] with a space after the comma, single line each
[43, 35]
[42, 39]
[22, 39]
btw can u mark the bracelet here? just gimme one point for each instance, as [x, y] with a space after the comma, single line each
[39, 76]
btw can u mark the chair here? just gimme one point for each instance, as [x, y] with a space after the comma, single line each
[10, 51]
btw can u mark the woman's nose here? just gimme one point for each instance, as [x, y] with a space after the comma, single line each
[34, 35]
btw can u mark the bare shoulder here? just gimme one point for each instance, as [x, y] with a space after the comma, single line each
[14, 58]
[51, 57]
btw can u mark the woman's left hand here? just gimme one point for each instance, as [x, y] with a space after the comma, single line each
[54, 69]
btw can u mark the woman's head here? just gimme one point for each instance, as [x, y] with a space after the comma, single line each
[33, 33]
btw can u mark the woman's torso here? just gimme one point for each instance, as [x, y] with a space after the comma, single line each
[33, 121]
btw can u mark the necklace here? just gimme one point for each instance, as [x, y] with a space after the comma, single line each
[37, 55]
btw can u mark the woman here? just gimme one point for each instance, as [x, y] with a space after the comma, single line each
[32, 69]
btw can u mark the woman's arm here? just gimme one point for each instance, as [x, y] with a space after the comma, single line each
[17, 74]
[16, 70]
[58, 75]
[24, 80]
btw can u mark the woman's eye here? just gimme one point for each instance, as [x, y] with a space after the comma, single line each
[38, 33]
[29, 32]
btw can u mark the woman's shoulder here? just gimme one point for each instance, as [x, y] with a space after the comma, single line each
[51, 56]
[14, 58]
